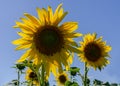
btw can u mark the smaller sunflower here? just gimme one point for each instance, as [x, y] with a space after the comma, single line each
[62, 78]
[94, 51]
[32, 76]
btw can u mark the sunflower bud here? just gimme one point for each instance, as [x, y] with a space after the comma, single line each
[74, 70]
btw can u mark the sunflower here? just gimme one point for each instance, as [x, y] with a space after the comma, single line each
[45, 41]
[31, 76]
[94, 51]
[61, 79]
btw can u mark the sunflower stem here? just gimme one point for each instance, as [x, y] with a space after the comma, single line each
[18, 82]
[81, 76]
[31, 84]
[42, 75]
[85, 74]
[38, 77]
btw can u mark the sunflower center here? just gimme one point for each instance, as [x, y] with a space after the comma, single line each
[49, 40]
[32, 75]
[92, 52]
[62, 79]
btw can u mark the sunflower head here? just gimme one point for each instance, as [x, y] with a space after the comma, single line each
[46, 41]
[94, 51]
[62, 78]
[31, 76]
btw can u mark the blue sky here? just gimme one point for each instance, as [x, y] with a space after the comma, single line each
[100, 16]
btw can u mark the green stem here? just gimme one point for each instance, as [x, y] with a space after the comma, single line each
[85, 74]
[81, 76]
[18, 83]
[42, 75]
[31, 84]
[38, 76]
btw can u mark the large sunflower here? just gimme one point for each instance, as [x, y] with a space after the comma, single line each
[61, 79]
[94, 51]
[45, 41]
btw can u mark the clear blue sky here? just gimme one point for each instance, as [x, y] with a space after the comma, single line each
[100, 16]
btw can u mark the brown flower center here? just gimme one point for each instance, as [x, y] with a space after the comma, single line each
[48, 40]
[92, 52]
[62, 79]
[32, 75]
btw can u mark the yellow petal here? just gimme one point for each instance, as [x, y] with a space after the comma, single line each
[72, 35]
[32, 19]
[50, 14]
[24, 35]
[71, 42]
[57, 10]
[24, 26]
[41, 15]
[24, 56]
[69, 26]
[108, 48]
[70, 59]
[72, 49]
[58, 16]
[53, 69]
[63, 58]
[29, 23]
[21, 47]
[46, 16]
[20, 41]
[99, 39]
[32, 55]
